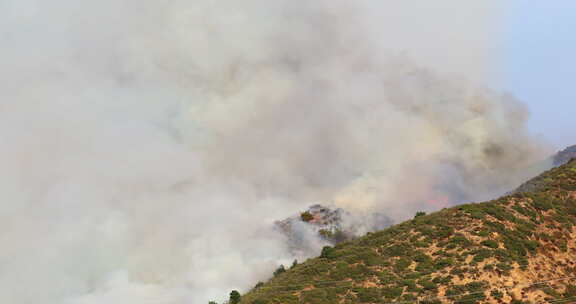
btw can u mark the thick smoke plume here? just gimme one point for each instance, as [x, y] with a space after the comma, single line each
[147, 147]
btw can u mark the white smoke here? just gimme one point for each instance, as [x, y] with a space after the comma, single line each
[148, 146]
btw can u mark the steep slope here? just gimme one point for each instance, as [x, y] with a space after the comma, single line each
[517, 249]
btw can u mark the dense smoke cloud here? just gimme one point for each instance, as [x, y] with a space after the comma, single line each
[148, 146]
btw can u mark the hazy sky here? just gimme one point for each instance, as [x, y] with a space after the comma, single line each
[540, 67]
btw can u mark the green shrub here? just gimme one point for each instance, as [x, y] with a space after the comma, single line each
[483, 233]
[402, 264]
[427, 284]
[317, 296]
[421, 257]
[515, 246]
[443, 280]
[490, 243]
[541, 202]
[371, 258]
[410, 284]
[498, 212]
[358, 271]
[443, 263]
[294, 264]
[398, 250]
[234, 297]
[476, 286]
[532, 245]
[419, 214]
[504, 268]
[443, 231]
[474, 210]
[524, 211]
[327, 252]
[422, 244]
[386, 278]
[391, 293]
[368, 295]
[425, 267]
[460, 241]
[481, 254]
[458, 270]
[496, 226]
[455, 290]
[279, 270]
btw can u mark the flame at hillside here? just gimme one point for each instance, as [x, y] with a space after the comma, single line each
[149, 146]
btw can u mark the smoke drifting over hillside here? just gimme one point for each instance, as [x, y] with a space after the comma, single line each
[148, 146]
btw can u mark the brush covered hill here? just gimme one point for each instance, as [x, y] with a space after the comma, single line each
[517, 249]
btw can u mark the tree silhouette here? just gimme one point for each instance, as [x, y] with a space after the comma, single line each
[234, 297]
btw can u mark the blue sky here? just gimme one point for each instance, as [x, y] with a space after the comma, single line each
[539, 65]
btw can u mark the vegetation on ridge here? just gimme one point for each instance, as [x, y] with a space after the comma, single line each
[476, 253]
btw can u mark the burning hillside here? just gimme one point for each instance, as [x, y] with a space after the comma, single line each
[520, 248]
[321, 225]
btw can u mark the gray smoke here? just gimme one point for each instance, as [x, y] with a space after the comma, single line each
[147, 147]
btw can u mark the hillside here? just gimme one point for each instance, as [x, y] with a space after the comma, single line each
[517, 249]
[564, 156]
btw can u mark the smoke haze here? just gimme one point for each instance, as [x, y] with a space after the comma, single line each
[147, 147]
